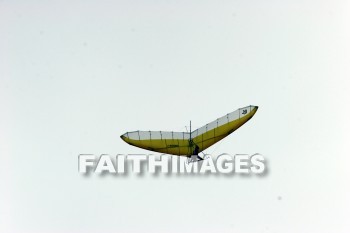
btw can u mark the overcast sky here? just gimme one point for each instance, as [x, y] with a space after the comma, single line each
[75, 75]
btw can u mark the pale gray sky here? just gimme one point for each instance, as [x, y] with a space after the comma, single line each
[75, 75]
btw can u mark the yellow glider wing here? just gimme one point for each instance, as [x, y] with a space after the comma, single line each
[187, 144]
[175, 143]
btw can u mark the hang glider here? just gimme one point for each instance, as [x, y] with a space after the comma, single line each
[190, 143]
